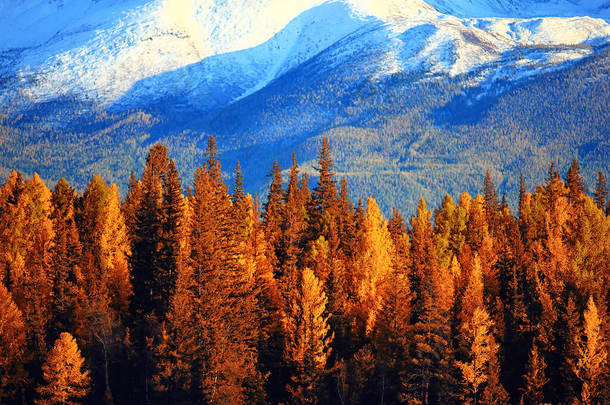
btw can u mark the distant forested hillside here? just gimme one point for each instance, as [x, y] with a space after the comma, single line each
[399, 138]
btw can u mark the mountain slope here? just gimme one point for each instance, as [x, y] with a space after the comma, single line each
[209, 54]
[418, 97]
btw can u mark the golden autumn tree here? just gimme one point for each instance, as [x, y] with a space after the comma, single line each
[475, 339]
[308, 339]
[443, 224]
[30, 279]
[12, 347]
[66, 381]
[473, 294]
[375, 263]
[392, 332]
[11, 226]
[591, 366]
[104, 239]
[318, 259]
[115, 247]
[481, 241]
[450, 224]
[477, 333]
[479, 371]
[590, 261]
[105, 286]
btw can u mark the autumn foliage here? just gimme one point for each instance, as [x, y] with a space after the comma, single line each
[210, 295]
[65, 379]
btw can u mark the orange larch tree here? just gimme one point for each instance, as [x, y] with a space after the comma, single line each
[308, 340]
[65, 380]
[13, 376]
[591, 366]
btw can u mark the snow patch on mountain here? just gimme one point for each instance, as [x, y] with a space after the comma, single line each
[209, 53]
[522, 8]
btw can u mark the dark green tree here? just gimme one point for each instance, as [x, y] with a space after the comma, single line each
[574, 181]
[601, 191]
[272, 215]
[66, 257]
[492, 205]
[323, 204]
[147, 233]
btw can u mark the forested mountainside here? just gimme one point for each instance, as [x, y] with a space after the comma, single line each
[212, 296]
[417, 97]
[397, 139]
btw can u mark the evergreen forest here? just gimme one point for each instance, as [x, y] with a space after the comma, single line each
[204, 294]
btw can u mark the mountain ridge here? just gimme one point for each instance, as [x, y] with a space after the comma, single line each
[415, 101]
[139, 51]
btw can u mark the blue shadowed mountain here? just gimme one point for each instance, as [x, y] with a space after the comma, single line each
[417, 97]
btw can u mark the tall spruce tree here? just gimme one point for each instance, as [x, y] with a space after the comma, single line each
[147, 234]
[346, 224]
[272, 215]
[601, 191]
[226, 311]
[293, 224]
[66, 257]
[574, 181]
[431, 360]
[172, 238]
[323, 204]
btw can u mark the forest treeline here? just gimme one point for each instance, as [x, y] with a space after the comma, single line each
[398, 138]
[208, 295]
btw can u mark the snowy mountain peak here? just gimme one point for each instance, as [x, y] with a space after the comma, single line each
[127, 53]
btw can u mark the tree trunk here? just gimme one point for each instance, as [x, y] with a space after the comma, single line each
[107, 394]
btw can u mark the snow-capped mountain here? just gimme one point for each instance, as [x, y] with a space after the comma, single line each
[209, 53]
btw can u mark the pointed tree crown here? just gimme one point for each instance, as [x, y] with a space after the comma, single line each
[66, 380]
